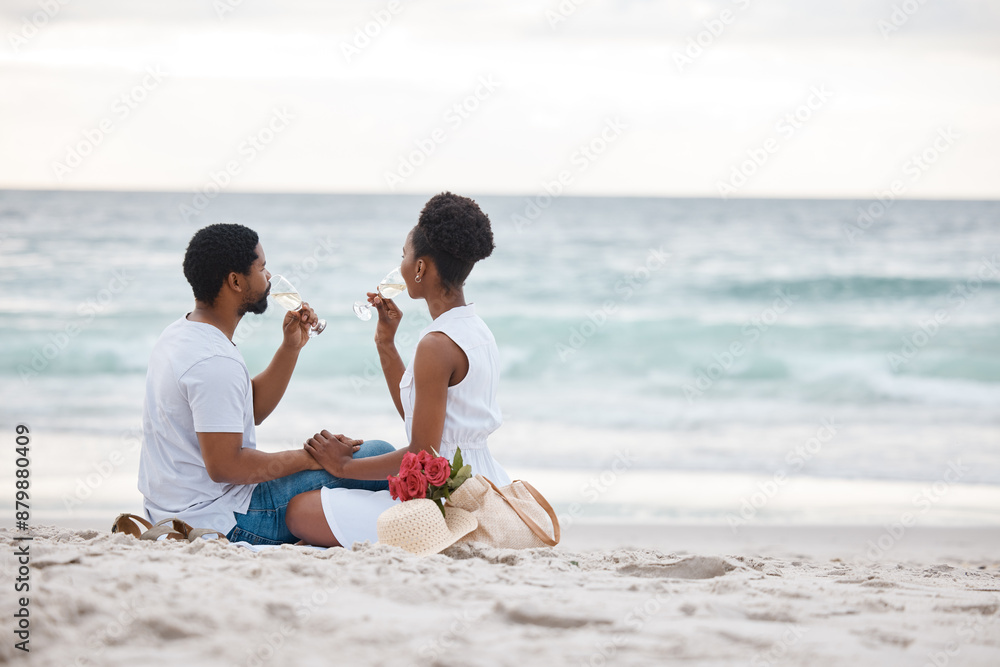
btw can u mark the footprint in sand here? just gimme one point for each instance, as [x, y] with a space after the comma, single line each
[984, 609]
[695, 567]
[531, 615]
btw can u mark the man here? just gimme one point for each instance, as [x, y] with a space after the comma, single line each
[199, 460]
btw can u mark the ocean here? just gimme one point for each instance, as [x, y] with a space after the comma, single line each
[688, 360]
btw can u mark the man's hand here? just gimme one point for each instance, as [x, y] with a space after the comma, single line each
[389, 316]
[228, 462]
[332, 452]
[296, 326]
[314, 464]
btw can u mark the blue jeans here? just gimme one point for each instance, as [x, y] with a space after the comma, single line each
[264, 521]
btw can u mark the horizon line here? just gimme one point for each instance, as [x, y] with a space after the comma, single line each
[428, 193]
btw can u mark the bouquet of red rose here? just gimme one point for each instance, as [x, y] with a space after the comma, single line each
[422, 475]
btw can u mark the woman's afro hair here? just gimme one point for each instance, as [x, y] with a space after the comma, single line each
[455, 233]
[456, 226]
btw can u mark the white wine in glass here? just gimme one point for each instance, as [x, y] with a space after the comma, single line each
[391, 286]
[286, 296]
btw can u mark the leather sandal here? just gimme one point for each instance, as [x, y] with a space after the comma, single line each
[204, 533]
[192, 534]
[130, 525]
[161, 530]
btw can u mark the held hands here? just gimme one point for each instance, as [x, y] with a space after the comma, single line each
[389, 316]
[296, 326]
[332, 452]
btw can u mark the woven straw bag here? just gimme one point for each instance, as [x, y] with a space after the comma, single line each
[514, 517]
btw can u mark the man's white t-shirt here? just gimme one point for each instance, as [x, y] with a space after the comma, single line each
[197, 382]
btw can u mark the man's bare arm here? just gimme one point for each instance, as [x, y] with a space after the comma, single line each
[228, 462]
[269, 386]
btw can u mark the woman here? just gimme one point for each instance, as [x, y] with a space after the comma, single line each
[447, 396]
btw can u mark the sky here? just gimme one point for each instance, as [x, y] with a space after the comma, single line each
[734, 98]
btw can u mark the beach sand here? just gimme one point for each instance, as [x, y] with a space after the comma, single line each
[609, 595]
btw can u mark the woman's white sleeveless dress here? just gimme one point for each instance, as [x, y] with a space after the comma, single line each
[471, 415]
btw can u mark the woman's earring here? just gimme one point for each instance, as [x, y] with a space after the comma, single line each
[417, 278]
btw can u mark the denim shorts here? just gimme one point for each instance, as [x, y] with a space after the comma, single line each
[264, 521]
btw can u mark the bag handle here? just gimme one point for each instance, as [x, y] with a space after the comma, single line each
[539, 533]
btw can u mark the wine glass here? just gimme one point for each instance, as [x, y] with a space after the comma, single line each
[288, 298]
[392, 285]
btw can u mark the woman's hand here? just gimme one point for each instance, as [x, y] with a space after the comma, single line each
[389, 316]
[332, 452]
[296, 326]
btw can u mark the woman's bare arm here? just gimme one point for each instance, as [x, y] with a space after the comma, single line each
[437, 362]
[393, 367]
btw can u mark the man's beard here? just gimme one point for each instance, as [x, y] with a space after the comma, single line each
[256, 307]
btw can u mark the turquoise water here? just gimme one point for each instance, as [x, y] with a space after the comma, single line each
[702, 335]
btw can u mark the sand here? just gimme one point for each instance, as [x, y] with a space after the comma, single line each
[607, 596]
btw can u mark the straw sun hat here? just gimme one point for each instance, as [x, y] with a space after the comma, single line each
[417, 526]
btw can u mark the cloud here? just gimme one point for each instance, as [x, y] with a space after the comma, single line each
[357, 113]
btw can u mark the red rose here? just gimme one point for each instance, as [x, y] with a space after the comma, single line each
[424, 457]
[411, 462]
[395, 488]
[438, 471]
[414, 483]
